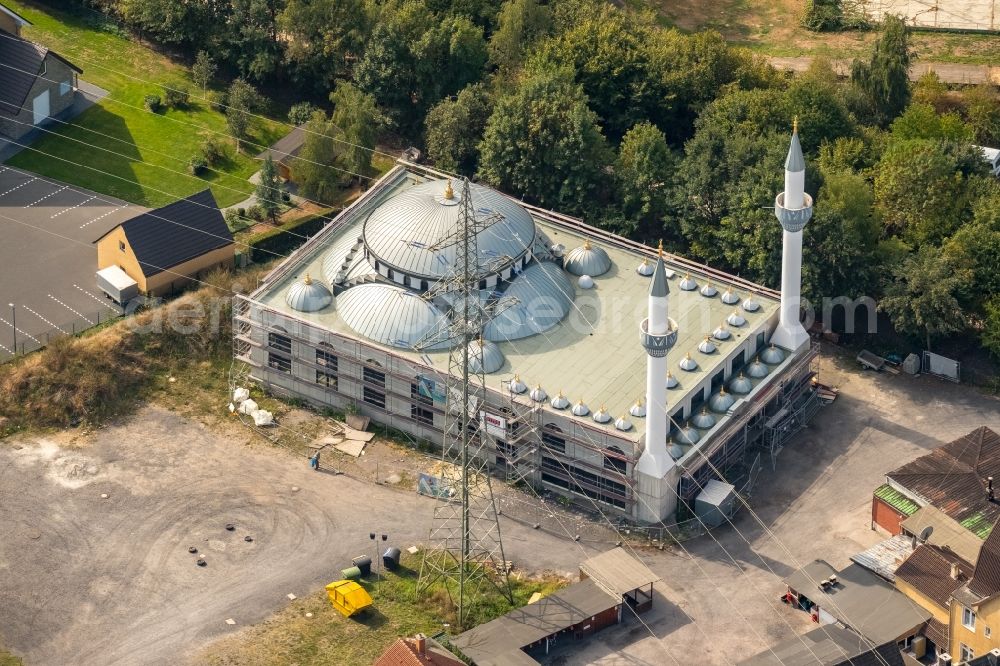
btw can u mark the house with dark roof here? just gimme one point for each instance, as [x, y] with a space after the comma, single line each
[35, 83]
[954, 478]
[974, 608]
[417, 651]
[285, 150]
[929, 576]
[831, 645]
[164, 249]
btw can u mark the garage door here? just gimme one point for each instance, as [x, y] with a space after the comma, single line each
[40, 107]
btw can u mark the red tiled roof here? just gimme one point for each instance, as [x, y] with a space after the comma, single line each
[928, 570]
[404, 653]
[986, 579]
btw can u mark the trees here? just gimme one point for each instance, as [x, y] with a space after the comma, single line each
[882, 85]
[922, 297]
[982, 113]
[324, 38]
[454, 129]
[543, 142]
[203, 70]
[921, 121]
[268, 190]
[644, 173]
[316, 171]
[355, 115]
[520, 24]
[241, 99]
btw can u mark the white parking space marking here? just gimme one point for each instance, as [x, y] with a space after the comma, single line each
[18, 186]
[71, 309]
[28, 335]
[98, 299]
[50, 194]
[44, 319]
[6, 350]
[66, 210]
[113, 210]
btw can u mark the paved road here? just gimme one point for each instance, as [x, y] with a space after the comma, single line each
[104, 582]
[47, 259]
[948, 72]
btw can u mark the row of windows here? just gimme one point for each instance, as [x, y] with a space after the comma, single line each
[583, 482]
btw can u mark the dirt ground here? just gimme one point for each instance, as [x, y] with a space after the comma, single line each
[92, 580]
[718, 603]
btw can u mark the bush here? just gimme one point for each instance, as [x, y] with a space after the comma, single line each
[153, 103]
[197, 165]
[255, 212]
[216, 101]
[286, 197]
[300, 113]
[176, 97]
[213, 150]
[242, 212]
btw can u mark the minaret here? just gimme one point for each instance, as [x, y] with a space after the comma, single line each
[658, 334]
[793, 207]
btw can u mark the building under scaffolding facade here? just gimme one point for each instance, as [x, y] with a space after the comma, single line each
[353, 319]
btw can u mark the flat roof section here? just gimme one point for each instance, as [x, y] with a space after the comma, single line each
[618, 572]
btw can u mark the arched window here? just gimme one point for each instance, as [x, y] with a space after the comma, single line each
[614, 459]
[552, 438]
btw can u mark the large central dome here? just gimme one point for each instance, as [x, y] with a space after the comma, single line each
[401, 234]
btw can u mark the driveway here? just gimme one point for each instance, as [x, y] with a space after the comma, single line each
[47, 259]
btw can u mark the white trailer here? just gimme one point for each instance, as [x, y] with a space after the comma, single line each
[118, 286]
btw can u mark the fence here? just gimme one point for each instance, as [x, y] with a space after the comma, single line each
[20, 342]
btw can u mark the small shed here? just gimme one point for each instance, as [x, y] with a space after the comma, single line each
[714, 504]
[348, 597]
[285, 150]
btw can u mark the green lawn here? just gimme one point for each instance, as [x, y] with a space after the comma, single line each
[132, 154]
[7, 659]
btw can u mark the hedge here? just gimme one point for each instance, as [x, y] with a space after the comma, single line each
[283, 240]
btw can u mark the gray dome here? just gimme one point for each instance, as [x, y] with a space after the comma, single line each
[721, 333]
[675, 450]
[708, 290]
[645, 269]
[750, 305]
[672, 382]
[602, 416]
[587, 260]
[308, 295]
[772, 355]
[721, 402]
[517, 386]
[688, 363]
[558, 250]
[585, 282]
[401, 232]
[544, 297]
[706, 346]
[623, 424]
[687, 284]
[538, 394]
[741, 385]
[391, 315]
[736, 319]
[729, 298]
[485, 356]
[689, 435]
[757, 369]
[580, 409]
[345, 259]
[560, 401]
[638, 410]
[703, 420]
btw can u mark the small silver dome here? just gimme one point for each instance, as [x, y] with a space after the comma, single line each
[741, 385]
[721, 333]
[687, 284]
[675, 450]
[558, 250]
[706, 346]
[638, 410]
[517, 386]
[703, 420]
[587, 260]
[538, 394]
[772, 355]
[585, 282]
[689, 435]
[757, 369]
[623, 424]
[721, 402]
[688, 363]
[708, 290]
[645, 269]
[736, 319]
[729, 298]
[672, 382]
[601, 415]
[560, 401]
[308, 295]
[580, 409]
[485, 356]
[750, 305]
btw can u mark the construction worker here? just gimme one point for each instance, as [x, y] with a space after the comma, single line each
[314, 461]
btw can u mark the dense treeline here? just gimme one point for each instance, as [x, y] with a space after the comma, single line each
[588, 109]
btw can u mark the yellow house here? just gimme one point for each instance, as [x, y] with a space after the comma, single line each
[167, 248]
[929, 576]
[975, 606]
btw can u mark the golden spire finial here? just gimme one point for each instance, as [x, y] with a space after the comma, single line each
[586, 244]
[308, 279]
[448, 192]
[660, 249]
[795, 124]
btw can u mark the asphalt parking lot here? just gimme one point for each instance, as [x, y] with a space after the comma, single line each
[47, 259]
